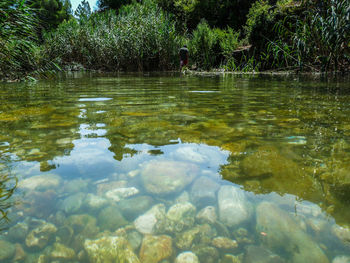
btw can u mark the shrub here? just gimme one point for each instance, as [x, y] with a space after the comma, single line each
[212, 47]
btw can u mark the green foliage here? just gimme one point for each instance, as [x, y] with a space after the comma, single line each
[140, 37]
[112, 4]
[211, 47]
[83, 11]
[218, 13]
[17, 38]
[51, 12]
[324, 35]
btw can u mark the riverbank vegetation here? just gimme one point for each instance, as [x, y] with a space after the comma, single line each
[125, 35]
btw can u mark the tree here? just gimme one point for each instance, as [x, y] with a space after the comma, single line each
[51, 12]
[112, 4]
[83, 11]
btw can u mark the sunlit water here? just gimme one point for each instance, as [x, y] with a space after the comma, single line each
[163, 168]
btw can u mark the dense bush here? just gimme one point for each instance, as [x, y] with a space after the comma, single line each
[18, 52]
[313, 35]
[212, 47]
[140, 37]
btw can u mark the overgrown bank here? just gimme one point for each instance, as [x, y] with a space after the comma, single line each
[279, 35]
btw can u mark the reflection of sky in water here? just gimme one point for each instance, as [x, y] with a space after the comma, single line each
[95, 99]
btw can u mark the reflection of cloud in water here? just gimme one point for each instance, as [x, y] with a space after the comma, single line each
[201, 154]
[90, 157]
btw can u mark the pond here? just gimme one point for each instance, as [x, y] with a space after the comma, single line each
[168, 168]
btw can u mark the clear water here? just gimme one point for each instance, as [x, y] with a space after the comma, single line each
[238, 169]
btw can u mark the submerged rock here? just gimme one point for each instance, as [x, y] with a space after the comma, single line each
[343, 233]
[20, 254]
[180, 216]
[284, 233]
[82, 224]
[135, 206]
[224, 243]
[110, 249]
[256, 254]
[278, 173]
[185, 239]
[118, 194]
[40, 182]
[72, 203]
[167, 177]
[94, 202]
[40, 236]
[207, 215]
[111, 219]
[187, 257]
[228, 258]
[155, 248]
[7, 250]
[18, 232]
[234, 208]
[61, 252]
[203, 191]
[152, 221]
[206, 254]
[341, 259]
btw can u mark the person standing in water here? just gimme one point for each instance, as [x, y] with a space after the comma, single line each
[183, 53]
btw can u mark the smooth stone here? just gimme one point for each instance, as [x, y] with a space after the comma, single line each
[284, 233]
[167, 177]
[234, 208]
[7, 250]
[121, 193]
[40, 182]
[110, 249]
[207, 215]
[180, 216]
[103, 188]
[135, 206]
[152, 221]
[224, 243]
[95, 202]
[203, 191]
[257, 254]
[18, 232]
[40, 236]
[135, 239]
[61, 252]
[155, 248]
[341, 259]
[111, 219]
[72, 203]
[187, 257]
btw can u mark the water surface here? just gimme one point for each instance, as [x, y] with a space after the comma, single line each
[164, 167]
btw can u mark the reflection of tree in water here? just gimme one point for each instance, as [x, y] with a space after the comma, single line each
[34, 128]
[8, 184]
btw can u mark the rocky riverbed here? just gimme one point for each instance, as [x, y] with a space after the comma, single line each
[165, 211]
